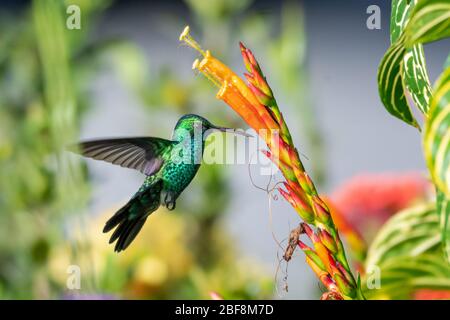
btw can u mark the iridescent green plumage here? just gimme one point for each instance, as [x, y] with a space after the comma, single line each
[170, 165]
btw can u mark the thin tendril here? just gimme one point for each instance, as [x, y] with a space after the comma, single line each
[269, 194]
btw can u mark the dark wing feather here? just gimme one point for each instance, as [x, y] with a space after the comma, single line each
[140, 153]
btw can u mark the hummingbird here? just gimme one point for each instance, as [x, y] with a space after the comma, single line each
[169, 166]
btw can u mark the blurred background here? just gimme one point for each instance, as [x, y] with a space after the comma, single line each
[125, 74]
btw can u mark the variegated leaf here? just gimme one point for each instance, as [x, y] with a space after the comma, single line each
[437, 134]
[443, 209]
[414, 72]
[416, 77]
[430, 21]
[402, 276]
[391, 85]
[407, 254]
[400, 12]
[410, 232]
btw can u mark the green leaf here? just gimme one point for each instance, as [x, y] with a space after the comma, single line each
[414, 72]
[412, 24]
[59, 98]
[402, 276]
[391, 86]
[400, 12]
[430, 21]
[410, 232]
[407, 253]
[399, 68]
[447, 62]
[437, 135]
[443, 209]
[416, 77]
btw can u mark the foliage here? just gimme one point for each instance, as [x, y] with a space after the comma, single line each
[165, 262]
[403, 66]
[407, 253]
[362, 204]
[402, 70]
[45, 92]
[437, 134]
[46, 73]
[409, 240]
[40, 186]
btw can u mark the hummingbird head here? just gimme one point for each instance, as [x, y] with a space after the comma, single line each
[192, 123]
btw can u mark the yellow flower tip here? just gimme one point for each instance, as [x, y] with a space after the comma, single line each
[185, 33]
[187, 38]
[201, 65]
[195, 64]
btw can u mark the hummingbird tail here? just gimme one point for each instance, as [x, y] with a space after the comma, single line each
[129, 220]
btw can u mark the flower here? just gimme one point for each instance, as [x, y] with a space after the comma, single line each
[255, 103]
[428, 294]
[366, 201]
[215, 296]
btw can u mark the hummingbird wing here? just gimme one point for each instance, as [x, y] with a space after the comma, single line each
[140, 153]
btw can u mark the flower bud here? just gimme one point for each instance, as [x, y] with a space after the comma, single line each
[321, 211]
[301, 206]
[264, 99]
[327, 240]
[245, 57]
[306, 183]
[287, 196]
[315, 263]
[344, 286]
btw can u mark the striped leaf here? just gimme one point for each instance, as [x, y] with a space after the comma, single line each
[409, 71]
[414, 71]
[416, 77]
[413, 23]
[402, 276]
[410, 232]
[391, 85]
[430, 21]
[400, 12]
[407, 251]
[443, 209]
[437, 135]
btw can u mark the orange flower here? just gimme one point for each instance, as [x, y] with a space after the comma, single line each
[255, 103]
[233, 89]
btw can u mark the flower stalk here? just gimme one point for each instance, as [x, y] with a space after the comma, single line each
[255, 103]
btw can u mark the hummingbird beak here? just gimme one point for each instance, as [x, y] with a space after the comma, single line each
[231, 130]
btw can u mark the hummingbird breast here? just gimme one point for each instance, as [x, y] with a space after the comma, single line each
[177, 174]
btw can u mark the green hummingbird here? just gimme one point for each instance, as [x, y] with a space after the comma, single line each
[170, 165]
